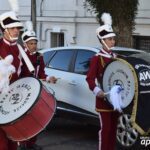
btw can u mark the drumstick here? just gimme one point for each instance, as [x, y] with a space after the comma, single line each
[107, 93]
[119, 89]
[45, 79]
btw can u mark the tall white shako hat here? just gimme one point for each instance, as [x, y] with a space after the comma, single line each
[10, 19]
[105, 31]
[28, 34]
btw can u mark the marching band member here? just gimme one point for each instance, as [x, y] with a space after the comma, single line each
[30, 41]
[107, 116]
[10, 26]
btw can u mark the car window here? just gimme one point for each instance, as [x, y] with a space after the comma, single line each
[61, 60]
[47, 56]
[82, 61]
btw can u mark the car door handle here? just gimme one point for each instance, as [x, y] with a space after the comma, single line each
[73, 83]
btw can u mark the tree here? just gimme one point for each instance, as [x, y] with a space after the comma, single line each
[123, 14]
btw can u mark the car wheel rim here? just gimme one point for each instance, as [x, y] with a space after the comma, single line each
[126, 135]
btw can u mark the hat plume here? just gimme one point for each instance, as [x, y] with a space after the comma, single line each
[28, 26]
[106, 18]
[14, 5]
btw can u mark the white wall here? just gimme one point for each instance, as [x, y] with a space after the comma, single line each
[73, 19]
[143, 18]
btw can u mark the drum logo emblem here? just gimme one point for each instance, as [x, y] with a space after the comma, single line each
[118, 82]
[121, 78]
[15, 98]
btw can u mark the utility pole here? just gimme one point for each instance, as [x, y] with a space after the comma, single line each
[33, 13]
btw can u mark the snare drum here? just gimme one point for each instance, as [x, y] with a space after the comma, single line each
[133, 75]
[26, 109]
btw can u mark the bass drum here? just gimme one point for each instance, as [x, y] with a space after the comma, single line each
[133, 75]
[120, 73]
[26, 109]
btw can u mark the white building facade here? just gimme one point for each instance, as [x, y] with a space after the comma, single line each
[67, 22]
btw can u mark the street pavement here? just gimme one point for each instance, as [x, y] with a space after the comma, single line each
[68, 135]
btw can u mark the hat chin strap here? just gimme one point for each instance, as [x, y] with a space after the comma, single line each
[105, 44]
[10, 37]
[29, 49]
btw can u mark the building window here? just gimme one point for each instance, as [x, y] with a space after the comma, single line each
[57, 39]
[142, 42]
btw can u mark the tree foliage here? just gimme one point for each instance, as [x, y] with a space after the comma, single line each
[123, 14]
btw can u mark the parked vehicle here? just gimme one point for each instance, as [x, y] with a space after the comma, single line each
[74, 99]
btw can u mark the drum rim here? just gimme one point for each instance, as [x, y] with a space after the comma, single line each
[15, 120]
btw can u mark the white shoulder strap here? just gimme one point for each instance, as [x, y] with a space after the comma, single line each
[26, 59]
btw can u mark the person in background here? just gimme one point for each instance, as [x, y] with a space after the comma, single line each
[30, 41]
[10, 27]
[107, 116]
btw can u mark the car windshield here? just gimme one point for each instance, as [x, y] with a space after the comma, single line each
[144, 56]
[126, 53]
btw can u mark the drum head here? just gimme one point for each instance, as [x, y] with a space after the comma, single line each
[20, 98]
[120, 73]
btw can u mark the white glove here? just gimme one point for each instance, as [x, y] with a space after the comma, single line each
[6, 69]
[115, 97]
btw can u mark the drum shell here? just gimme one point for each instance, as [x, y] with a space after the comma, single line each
[34, 121]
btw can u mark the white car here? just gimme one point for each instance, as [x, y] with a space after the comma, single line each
[70, 65]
